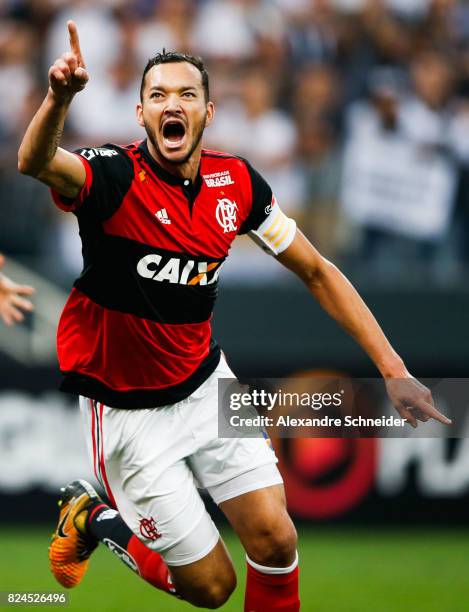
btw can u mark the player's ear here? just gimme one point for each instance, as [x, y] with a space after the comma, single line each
[210, 114]
[139, 111]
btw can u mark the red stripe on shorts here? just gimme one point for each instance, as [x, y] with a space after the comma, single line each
[93, 437]
[101, 459]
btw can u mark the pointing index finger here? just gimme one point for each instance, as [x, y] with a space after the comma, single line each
[75, 43]
[432, 412]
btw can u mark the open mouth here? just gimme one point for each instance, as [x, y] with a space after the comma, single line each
[174, 132]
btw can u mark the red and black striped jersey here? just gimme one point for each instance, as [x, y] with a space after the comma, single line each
[135, 331]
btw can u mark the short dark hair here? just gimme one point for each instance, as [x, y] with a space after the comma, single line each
[173, 57]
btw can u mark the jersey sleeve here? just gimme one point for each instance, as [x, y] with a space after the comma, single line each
[266, 224]
[109, 174]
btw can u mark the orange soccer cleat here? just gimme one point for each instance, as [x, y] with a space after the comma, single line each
[72, 544]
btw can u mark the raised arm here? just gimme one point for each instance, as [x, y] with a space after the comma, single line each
[39, 154]
[341, 301]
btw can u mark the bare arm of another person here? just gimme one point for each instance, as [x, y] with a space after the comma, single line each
[12, 300]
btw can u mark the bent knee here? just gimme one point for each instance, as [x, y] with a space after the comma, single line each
[274, 546]
[213, 594]
[215, 597]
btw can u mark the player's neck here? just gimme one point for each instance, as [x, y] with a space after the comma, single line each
[186, 170]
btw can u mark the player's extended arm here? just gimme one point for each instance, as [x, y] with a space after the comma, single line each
[39, 154]
[12, 300]
[341, 301]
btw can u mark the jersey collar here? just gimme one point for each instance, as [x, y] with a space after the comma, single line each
[166, 176]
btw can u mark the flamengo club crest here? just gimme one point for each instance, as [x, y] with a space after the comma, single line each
[148, 529]
[226, 215]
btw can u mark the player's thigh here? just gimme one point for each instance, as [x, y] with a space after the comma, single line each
[136, 456]
[218, 460]
[165, 511]
[261, 520]
[169, 516]
[242, 477]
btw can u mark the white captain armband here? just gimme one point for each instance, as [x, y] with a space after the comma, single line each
[276, 233]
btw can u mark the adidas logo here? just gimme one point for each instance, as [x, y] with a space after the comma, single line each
[162, 216]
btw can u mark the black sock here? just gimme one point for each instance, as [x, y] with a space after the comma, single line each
[107, 525]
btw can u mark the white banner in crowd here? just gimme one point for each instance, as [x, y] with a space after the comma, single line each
[394, 185]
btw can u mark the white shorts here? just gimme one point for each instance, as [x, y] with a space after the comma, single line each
[151, 461]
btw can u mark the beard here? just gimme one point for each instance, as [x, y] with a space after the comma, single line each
[195, 142]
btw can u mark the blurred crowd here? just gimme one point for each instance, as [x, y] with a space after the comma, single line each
[355, 111]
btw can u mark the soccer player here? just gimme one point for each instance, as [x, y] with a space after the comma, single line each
[157, 219]
[12, 300]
